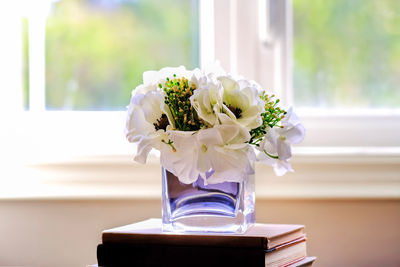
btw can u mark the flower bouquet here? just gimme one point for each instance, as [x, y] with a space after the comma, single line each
[210, 128]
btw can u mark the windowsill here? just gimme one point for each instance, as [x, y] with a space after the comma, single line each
[321, 173]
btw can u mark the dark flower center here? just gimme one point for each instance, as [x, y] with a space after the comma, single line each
[236, 111]
[162, 123]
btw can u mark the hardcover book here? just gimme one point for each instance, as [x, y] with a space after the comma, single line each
[306, 262]
[171, 255]
[149, 232]
[145, 244]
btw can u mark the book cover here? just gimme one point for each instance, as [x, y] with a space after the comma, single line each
[114, 254]
[117, 255]
[262, 236]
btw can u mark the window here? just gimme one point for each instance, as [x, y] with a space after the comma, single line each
[79, 66]
[96, 51]
[337, 63]
[346, 54]
[289, 46]
[71, 65]
[80, 60]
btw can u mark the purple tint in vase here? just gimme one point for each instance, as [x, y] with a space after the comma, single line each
[223, 207]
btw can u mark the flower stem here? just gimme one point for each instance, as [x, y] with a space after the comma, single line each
[271, 156]
[170, 143]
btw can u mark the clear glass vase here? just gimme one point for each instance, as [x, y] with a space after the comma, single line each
[224, 207]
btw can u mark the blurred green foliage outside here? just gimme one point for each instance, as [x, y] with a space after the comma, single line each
[346, 53]
[96, 51]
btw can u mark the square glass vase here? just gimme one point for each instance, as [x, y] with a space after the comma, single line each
[227, 207]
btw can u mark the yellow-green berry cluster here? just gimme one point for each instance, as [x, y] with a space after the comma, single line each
[178, 92]
[271, 117]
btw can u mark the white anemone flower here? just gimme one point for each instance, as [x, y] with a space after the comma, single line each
[268, 154]
[275, 149]
[241, 102]
[292, 133]
[207, 100]
[148, 118]
[223, 149]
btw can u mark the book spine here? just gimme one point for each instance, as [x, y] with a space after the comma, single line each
[116, 255]
[188, 240]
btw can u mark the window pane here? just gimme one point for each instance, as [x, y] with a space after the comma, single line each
[25, 63]
[347, 53]
[96, 51]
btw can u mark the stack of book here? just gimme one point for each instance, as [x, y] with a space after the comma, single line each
[144, 244]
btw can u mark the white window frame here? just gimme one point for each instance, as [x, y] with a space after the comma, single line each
[88, 156]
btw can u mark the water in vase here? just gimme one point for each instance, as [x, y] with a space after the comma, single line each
[223, 207]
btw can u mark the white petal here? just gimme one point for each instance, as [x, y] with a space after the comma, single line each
[150, 77]
[295, 134]
[182, 162]
[270, 141]
[201, 102]
[252, 94]
[227, 112]
[236, 146]
[203, 160]
[237, 99]
[136, 98]
[228, 132]
[151, 106]
[243, 83]
[290, 119]
[178, 71]
[182, 165]
[210, 136]
[143, 148]
[230, 167]
[281, 167]
[240, 136]
[183, 139]
[251, 155]
[228, 83]
[224, 118]
[145, 88]
[251, 118]
[284, 151]
[136, 124]
[155, 77]
[225, 161]
[264, 158]
[229, 175]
